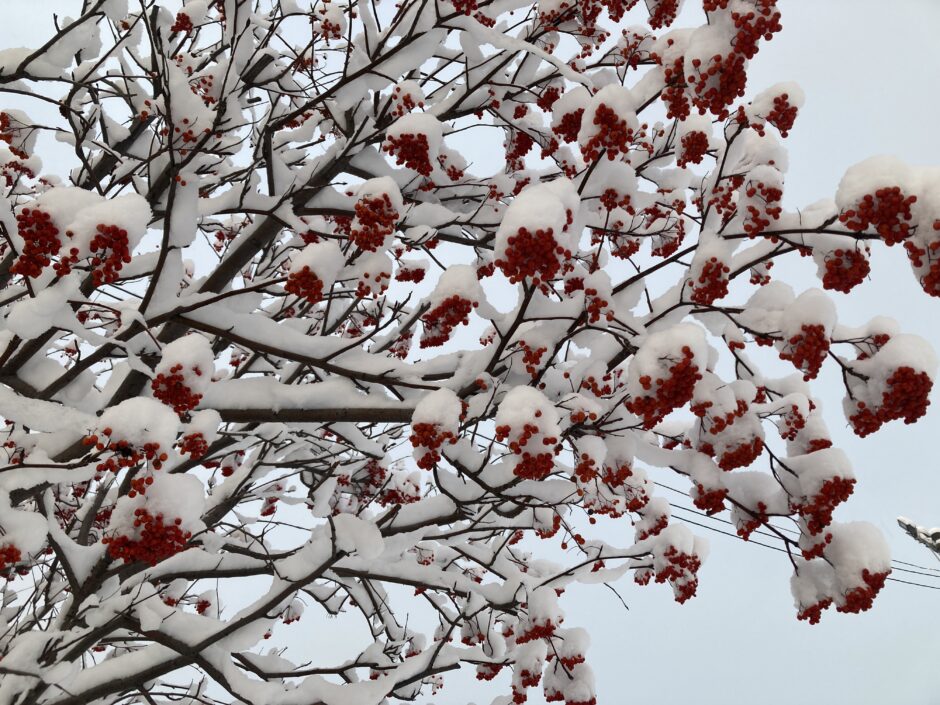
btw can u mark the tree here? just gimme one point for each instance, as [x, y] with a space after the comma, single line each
[241, 377]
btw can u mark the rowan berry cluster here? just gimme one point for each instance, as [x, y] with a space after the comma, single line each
[375, 220]
[517, 147]
[412, 151]
[762, 208]
[670, 393]
[845, 269]
[681, 572]
[530, 465]
[405, 102]
[182, 24]
[428, 439]
[709, 501]
[193, 445]
[569, 125]
[860, 599]
[441, 320]
[305, 284]
[613, 135]
[782, 116]
[125, 455]
[41, 241]
[888, 211]
[533, 254]
[10, 557]
[531, 357]
[712, 282]
[171, 388]
[663, 13]
[741, 455]
[673, 93]
[906, 396]
[807, 350]
[817, 510]
[693, 148]
[152, 541]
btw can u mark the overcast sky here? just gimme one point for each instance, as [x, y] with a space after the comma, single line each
[870, 70]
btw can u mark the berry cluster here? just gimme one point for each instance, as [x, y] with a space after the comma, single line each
[741, 455]
[888, 210]
[613, 135]
[533, 254]
[531, 357]
[154, 541]
[376, 218]
[412, 151]
[193, 445]
[807, 350]
[845, 269]
[569, 125]
[517, 147]
[712, 282]
[440, 321]
[693, 148]
[305, 284]
[41, 241]
[709, 501]
[530, 465]
[763, 207]
[125, 454]
[172, 390]
[905, 397]
[182, 24]
[817, 510]
[663, 13]
[10, 556]
[429, 437]
[681, 572]
[405, 102]
[782, 116]
[671, 393]
[860, 599]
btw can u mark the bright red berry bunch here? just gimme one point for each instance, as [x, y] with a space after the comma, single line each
[613, 135]
[807, 350]
[906, 396]
[693, 148]
[817, 510]
[41, 241]
[411, 151]
[888, 211]
[375, 220]
[712, 282]
[531, 464]
[428, 438]
[306, 285]
[172, 390]
[440, 321]
[533, 254]
[670, 393]
[845, 269]
[153, 540]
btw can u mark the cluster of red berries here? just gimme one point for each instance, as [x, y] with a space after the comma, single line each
[671, 393]
[531, 357]
[412, 151]
[718, 82]
[305, 284]
[376, 219]
[817, 510]
[693, 148]
[517, 147]
[673, 93]
[405, 102]
[529, 465]
[888, 210]
[712, 282]
[41, 241]
[752, 26]
[429, 437]
[410, 274]
[845, 269]
[533, 254]
[193, 445]
[754, 520]
[860, 599]
[569, 126]
[157, 540]
[367, 286]
[663, 13]
[403, 495]
[125, 454]
[807, 350]
[613, 135]
[766, 210]
[709, 501]
[111, 252]
[170, 388]
[813, 613]
[182, 24]
[654, 529]
[10, 557]
[906, 397]
[791, 423]
[440, 321]
[681, 572]
[488, 671]
[548, 98]
[742, 455]
[782, 116]
[537, 629]
[930, 282]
